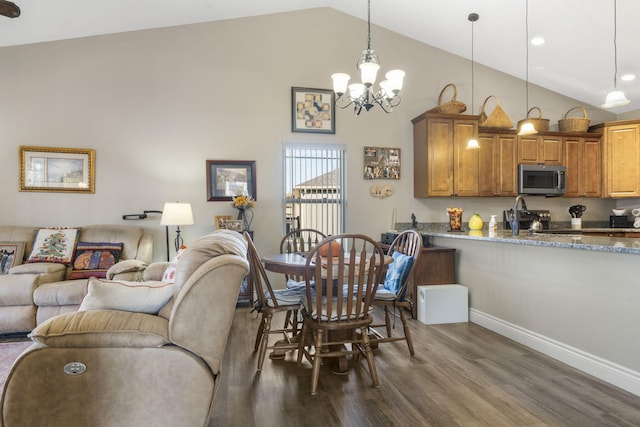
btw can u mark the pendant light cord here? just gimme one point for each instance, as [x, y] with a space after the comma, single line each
[615, 44]
[472, 67]
[369, 25]
[526, 26]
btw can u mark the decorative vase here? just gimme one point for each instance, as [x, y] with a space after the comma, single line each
[246, 219]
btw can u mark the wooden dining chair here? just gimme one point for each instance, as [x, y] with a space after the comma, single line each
[268, 302]
[341, 276]
[300, 241]
[405, 250]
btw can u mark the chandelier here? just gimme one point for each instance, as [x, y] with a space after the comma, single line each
[362, 94]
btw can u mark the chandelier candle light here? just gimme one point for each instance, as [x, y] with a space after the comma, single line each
[362, 94]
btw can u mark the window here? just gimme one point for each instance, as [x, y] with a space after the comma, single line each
[314, 187]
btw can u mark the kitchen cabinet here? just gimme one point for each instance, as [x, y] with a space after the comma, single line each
[498, 163]
[540, 149]
[583, 159]
[621, 158]
[442, 164]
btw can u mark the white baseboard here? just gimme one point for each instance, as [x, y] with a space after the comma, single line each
[605, 370]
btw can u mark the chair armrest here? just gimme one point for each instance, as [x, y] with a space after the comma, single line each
[130, 269]
[102, 328]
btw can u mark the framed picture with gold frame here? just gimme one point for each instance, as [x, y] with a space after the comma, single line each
[221, 221]
[55, 169]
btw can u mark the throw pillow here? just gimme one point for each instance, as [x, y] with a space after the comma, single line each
[169, 275]
[94, 259]
[138, 297]
[11, 254]
[397, 272]
[54, 245]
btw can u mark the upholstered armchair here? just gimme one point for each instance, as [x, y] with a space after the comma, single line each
[106, 367]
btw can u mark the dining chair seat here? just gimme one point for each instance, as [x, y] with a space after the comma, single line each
[290, 296]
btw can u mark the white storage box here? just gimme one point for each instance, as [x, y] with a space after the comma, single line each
[443, 304]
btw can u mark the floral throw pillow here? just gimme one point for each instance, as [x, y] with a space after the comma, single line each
[169, 275]
[54, 245]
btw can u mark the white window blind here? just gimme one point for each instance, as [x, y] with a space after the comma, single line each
[314, 187]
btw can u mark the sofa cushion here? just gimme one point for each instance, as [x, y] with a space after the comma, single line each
[129, 235]
[94, 259]
[169, 275]
[141, 297]
[397, 272]
[54, 245]
[60, 293]
[11, 254]
[102, 328]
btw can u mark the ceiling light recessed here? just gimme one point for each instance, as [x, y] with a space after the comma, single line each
[628, 77]
[537, 41]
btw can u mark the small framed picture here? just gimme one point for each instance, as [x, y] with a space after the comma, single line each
[221, 221]
[234, 224]
[229, 178]
[312, 110]
[381, 163]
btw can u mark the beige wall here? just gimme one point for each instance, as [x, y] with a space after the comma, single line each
[156, 104]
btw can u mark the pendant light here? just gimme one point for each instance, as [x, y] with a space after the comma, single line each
[473, 142]
[527, 128]
[616, 97]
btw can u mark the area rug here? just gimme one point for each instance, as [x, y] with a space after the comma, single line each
[9, 352]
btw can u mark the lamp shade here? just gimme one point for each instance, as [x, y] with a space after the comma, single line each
[615, 98]
[177, 214]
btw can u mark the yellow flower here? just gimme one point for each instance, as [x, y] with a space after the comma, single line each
[243, 202]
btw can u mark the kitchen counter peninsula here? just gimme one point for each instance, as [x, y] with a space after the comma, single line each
[573, 297]
[575, 240]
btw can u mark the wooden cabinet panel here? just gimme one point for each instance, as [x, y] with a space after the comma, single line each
[622, 160]
[466, 169]
[506, 171]
[537, 149]
[440, 157]
[583, 159]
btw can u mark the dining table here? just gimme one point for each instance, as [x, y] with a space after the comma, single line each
[294, 264]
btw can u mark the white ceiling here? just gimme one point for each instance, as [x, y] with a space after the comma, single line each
[577, 59]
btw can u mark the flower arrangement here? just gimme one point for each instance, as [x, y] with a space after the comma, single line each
[244, 204]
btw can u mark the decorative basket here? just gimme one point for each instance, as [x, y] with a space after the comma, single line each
[449, 107]
[574, 124]
[497, 119]
[541, 125]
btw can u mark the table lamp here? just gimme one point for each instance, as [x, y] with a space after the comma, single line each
[177, 214]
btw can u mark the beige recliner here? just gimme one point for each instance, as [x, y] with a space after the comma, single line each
[122, 368]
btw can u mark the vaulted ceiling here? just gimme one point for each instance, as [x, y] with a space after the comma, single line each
[577, 59]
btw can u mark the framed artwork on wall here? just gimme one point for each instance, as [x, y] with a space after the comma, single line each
[381, 163]
[312, 110]
[55, 169]
[228, 178]
[235, 224]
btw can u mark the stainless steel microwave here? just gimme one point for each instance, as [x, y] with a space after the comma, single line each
[542, 179]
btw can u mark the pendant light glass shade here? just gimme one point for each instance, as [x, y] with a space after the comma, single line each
[473, 144]
[615, 98]
[527, 128]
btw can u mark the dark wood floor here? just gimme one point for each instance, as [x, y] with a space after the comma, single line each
[462, 375]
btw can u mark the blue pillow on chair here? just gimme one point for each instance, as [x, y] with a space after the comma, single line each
[397, 272]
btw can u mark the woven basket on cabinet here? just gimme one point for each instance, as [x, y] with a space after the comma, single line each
[541, 125]
[497, 119]
[450, 107]
[574, 124]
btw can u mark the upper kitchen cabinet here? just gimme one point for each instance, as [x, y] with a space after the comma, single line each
[621, 158]
[498, 163]
[540, 149]
[583, 159]
[442, 164]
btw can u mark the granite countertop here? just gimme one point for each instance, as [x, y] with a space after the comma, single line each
[572, 241]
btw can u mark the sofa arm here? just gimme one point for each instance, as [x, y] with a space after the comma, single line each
[130, 270]
[155, 271]
[39, 268]
[102, 328]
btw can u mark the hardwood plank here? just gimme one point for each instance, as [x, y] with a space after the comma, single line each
[462, 375]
